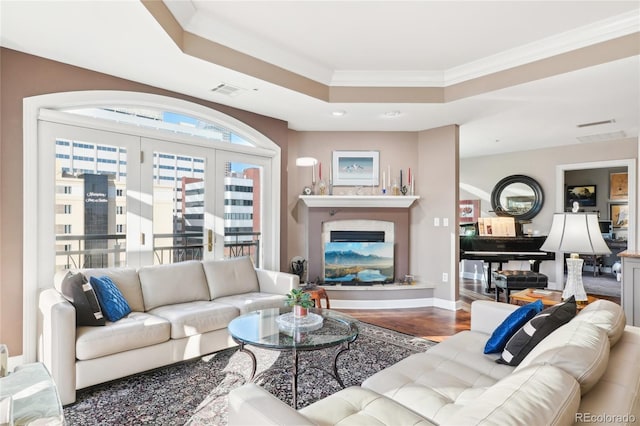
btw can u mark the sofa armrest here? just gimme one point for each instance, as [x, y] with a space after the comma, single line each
[276, 282]
[486, 315]
[252, 406]
[57, 341]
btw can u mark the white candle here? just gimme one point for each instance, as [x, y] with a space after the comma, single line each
[330, 172]
[389, 177]
[313, 173]
[384, 182]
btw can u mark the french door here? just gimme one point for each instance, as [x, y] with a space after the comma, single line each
[241, 204]
[181, 181]
[123, 199]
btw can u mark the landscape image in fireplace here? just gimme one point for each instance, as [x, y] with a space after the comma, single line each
[358, 262]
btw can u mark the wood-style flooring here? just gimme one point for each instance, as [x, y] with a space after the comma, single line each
[430, 323]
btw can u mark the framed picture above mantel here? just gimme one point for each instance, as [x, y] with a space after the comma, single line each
[356, 168]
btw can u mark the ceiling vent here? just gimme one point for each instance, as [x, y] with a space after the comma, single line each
[596, 123]
[602, 137]
[228, 89]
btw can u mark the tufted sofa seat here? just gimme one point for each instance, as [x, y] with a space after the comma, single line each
[582, 371]
[178, 312]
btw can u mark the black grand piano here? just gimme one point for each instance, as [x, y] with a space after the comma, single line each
[503, 249]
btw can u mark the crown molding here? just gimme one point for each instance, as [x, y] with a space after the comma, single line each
[220, 32]
[608, 29]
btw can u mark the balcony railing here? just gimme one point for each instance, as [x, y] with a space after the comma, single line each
[109, 250]
[238, 244]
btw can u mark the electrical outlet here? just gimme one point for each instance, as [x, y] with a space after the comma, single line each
[436, 221]
[445, 221]
[445, 277]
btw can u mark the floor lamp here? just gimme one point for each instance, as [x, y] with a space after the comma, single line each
[575, 233]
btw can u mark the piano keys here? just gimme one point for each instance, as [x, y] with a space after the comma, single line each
[503, 249]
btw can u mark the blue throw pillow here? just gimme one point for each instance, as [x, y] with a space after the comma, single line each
[114, 305]
[511, 325]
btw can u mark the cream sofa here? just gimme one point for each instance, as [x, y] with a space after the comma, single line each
[179, 311]
[586, 371]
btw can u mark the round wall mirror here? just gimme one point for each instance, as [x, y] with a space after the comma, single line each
[517, 196]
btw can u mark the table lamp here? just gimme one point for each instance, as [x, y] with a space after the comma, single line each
[575, 233]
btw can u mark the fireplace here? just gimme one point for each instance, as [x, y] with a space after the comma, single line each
[320, 221]
[358, 252]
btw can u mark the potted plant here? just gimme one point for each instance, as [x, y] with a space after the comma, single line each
[300, 301]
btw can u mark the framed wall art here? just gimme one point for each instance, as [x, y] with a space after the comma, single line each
[585, 195]
[356, 168]
[619, 186]
[619, 215]
[469, 211]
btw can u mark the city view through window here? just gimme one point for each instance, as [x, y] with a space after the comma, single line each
[92, 195]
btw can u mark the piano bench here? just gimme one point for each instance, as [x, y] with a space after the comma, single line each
[517, 280]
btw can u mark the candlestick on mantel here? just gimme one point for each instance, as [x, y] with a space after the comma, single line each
[313, 174]
[400, 179]
[389, 177]
[320, 170]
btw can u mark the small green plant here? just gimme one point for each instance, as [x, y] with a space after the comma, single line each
[298, 297]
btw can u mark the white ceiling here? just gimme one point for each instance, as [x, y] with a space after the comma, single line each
[363, 43]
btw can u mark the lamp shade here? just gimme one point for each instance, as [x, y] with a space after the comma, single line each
[306, 161]
[575, 233]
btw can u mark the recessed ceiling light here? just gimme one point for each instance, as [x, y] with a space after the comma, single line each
[392, 114]
[338, 113]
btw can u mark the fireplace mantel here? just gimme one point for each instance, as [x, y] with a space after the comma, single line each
[369, 201]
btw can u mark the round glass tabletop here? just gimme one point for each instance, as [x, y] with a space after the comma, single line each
[264, 329]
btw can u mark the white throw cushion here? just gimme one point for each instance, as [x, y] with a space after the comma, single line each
[607, 315]
[230, 276]
[173, 283]
[189, 319]
[537, 395]
[136, 330]
[579, 348]
[618, 390]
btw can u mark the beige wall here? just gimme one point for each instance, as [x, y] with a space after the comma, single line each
[432, 156]
[397, 149]
[434, 248]
[23, 76]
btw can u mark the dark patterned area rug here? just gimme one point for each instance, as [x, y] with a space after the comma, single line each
[195, 392]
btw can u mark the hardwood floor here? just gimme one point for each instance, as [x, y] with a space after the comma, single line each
[430, 323]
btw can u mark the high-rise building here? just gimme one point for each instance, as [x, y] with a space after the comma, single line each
[91, 201]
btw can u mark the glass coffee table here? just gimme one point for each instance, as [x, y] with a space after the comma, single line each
[276, 329]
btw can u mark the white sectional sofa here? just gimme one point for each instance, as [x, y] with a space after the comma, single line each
[586, 371]
[179, 311]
